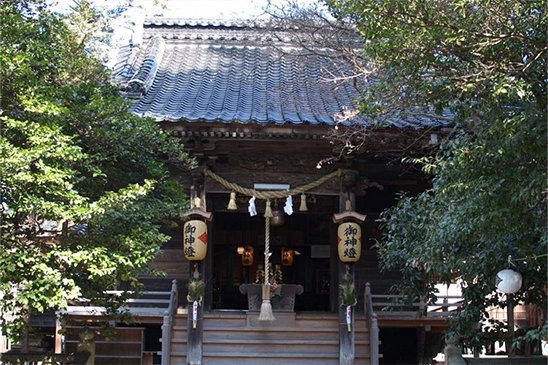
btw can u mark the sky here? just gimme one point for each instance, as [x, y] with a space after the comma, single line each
[187, 8]
[203, 9]
[214, 8]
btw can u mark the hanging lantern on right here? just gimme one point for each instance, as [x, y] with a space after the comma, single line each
[349, 241]
[349, 234]
[509, 281]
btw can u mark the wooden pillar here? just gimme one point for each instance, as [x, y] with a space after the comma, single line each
[58, 349]
[199, 270]
[346, 339]
[334, 262]
[208, 261]
[195, 335]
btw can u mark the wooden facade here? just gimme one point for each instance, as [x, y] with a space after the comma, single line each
[371, 183]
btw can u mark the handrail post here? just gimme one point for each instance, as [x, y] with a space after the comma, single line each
[372, 325]
[166, 340]
[366, 301]
[374, 340]
[423, 308]
[174, 297]
[167, 326]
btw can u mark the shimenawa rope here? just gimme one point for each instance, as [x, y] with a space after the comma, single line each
[276, 194]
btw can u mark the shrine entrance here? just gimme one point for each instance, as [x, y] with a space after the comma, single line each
[302, 247]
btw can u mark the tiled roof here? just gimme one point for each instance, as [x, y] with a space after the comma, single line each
[219, 71]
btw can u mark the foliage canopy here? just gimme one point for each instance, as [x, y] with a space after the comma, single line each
[485, 62]
[84, 185]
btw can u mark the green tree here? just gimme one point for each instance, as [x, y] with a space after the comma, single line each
[84, 185]
[485, 62]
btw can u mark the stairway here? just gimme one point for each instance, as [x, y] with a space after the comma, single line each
[238, 338]
[179, 339]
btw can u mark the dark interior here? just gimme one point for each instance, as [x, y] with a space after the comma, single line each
[306, 233]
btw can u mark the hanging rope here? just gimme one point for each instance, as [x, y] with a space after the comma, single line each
[267, 252]
[266, 313]
[278, 194]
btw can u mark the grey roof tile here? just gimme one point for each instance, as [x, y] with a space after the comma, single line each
[224, 71]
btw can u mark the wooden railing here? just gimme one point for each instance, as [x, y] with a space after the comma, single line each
[445, 306]
[373, 326]
[149, 303]
[390, 307]
[167, 327]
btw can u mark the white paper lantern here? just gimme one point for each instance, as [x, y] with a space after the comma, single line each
[349, 241]
[508, 281]
[195, 240]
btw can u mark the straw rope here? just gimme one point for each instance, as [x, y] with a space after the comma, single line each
[267, 252]
[277, 194]
[266, 314]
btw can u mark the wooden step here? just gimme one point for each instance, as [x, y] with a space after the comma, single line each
[281, 346]
[270, 358]
[304, 339]
[270, 334]
[179, 346]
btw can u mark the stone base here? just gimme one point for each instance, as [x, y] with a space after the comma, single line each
[283, 319]
[285, 302]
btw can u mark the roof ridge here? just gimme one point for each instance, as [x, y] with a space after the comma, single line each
[201, 22]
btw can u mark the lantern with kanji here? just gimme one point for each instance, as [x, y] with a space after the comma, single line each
[349, 241]
[195, 240]
[349, 234]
